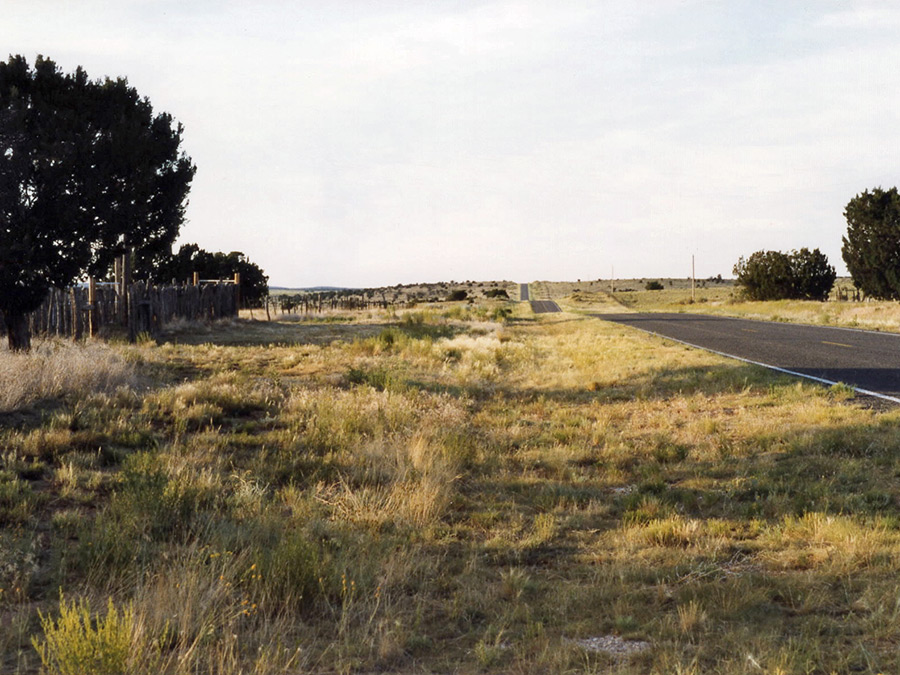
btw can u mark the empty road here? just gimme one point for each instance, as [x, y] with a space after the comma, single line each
[537, 306]
[544, 306]
[866, 360]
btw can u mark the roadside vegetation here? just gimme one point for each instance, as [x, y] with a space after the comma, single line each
[882, 315]
[773, 275]
[463, 488]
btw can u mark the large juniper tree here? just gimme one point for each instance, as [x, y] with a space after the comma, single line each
[86, 171]
[813, 276]
[773, 275]
[872, 246]
[765, 275]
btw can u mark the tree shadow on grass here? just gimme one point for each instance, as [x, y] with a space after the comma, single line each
[850, 469]
[31, 415]
[243, 333]
[658, 385]
[846, 470]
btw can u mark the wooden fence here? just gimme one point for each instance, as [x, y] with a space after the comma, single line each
[152, 307]
[144, 309]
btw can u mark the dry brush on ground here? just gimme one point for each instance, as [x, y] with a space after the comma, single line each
[444, 490]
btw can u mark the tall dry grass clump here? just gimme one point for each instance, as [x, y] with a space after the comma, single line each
[55, 368]
[409, 485]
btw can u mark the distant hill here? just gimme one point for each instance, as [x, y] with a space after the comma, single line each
[312, 289]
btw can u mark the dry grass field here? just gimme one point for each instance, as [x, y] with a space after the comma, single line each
[461, 488]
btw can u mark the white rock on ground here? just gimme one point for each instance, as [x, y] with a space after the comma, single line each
[612, 644]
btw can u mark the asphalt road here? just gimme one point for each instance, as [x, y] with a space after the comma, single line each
[544, 306]
[523, 292]
[866, 360]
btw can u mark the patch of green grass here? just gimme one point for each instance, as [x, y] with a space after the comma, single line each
[17, 500]
[379, 379]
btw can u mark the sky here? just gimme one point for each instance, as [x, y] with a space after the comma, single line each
[367, 143]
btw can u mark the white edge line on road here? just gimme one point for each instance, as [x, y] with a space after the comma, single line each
[821, 380]
[849, 329]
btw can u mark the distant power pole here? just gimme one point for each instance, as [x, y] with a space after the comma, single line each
[612, 277]
[692, 278]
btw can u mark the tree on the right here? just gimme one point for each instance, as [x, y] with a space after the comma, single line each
[872, 246]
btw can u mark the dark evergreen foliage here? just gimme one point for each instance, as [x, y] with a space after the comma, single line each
[765, 275]
[813, 276]
[180, 267]
[872, 246]
[86, 170]
[773, 275]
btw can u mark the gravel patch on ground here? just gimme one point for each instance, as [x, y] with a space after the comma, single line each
[612, 644]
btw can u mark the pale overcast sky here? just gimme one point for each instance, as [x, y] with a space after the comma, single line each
[365, 143]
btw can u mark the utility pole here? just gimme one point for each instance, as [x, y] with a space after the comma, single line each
[692, 278]
[612, 277]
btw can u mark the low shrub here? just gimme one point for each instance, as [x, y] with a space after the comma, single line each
[77, 644]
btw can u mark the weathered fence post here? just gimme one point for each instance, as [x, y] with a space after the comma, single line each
[120, 290]
[92, 309]
[126, 270]
[77, 319]
[123, 285]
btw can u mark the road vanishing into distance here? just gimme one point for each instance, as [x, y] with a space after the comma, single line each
[537, 306]
[865, 360]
